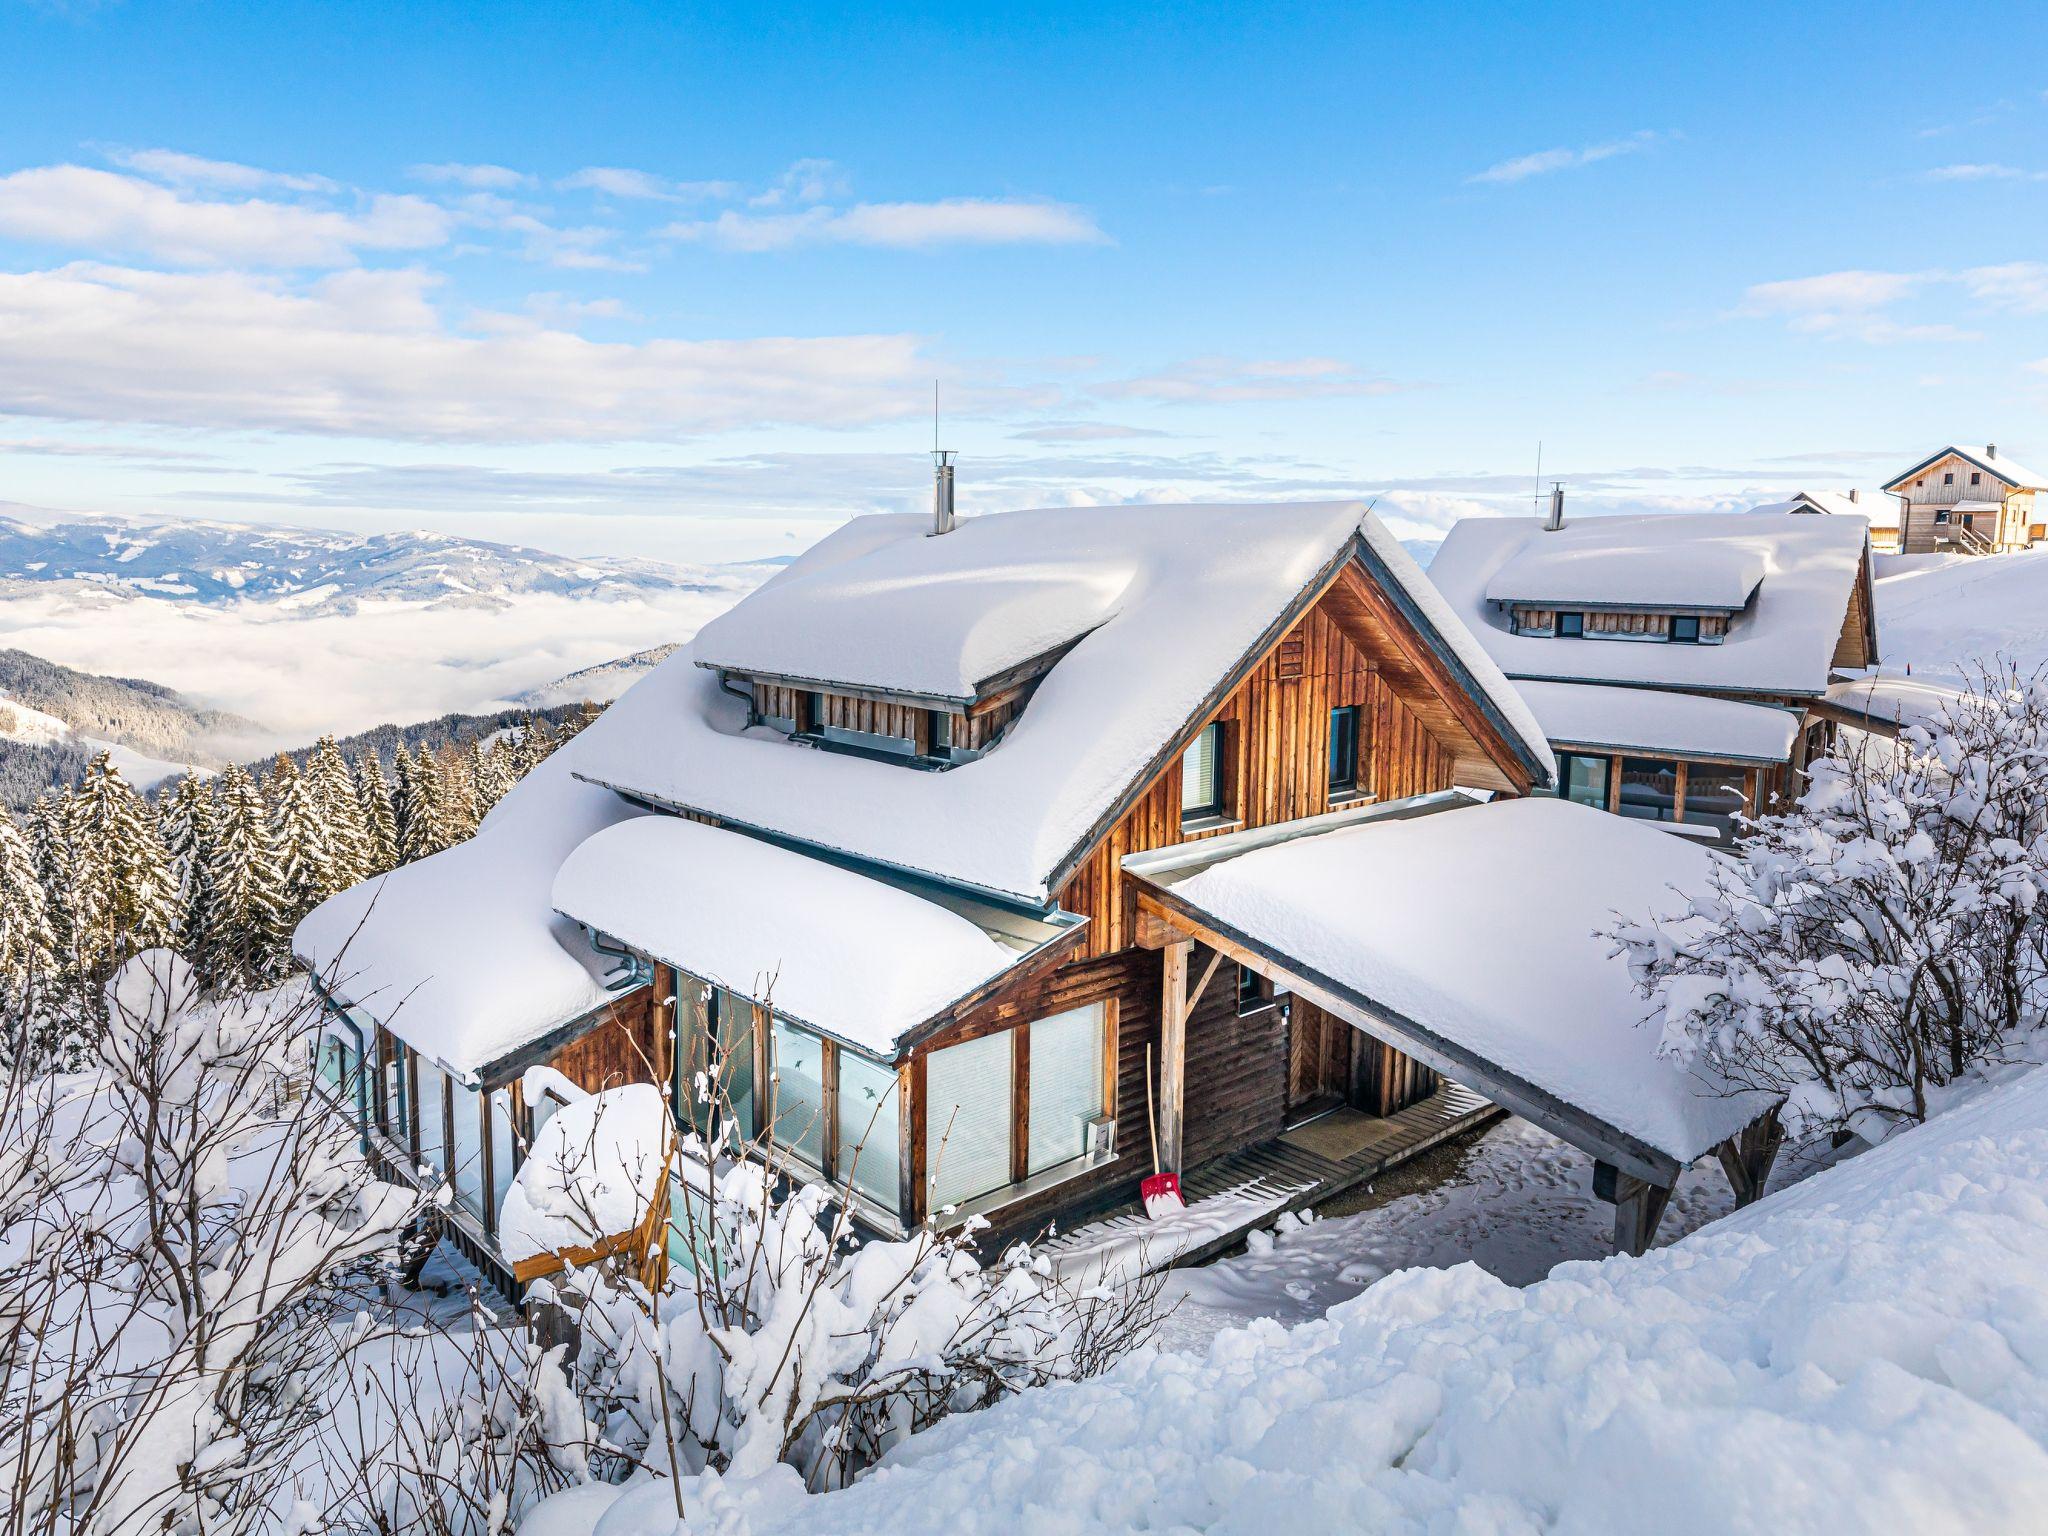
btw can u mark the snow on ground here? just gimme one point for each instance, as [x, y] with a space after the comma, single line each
[1865, 1351]
[1941, 612]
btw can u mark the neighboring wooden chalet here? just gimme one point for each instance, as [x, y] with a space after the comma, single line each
[871, 838]
[1880, 509]
[1971, 501]
[1678, 664]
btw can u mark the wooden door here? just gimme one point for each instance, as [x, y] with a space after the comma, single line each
[1318, 1059]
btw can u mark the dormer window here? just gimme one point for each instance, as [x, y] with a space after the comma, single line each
[1571, 626]
[1685, 629]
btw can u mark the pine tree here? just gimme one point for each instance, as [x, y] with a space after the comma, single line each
[459, 814]
[341, 810]
[488, 776]
[380, 825]
[418, 806]
[243, 933]
[127, 897]
[49, 838]
[305, 857]
[178, 816]
[28, 941]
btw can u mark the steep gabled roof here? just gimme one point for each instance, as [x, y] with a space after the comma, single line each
[1200, 592]
[1879, 508]
[1783, 643]
[2016, 475]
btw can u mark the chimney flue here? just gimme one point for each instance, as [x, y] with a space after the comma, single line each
[942, 490]
[1856, 494]
[1991, 450]
[1556, 519]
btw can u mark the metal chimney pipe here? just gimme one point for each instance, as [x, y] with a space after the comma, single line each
[942, 490]
[1856, 495]
[1556, 519]
[1991, 450]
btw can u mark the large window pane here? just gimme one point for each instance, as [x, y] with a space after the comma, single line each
[967, 1119]
[1649, 788]
[1583, 779]
[468, 1150]
[1200, 777]
[735, 1025]
[799, 1092]
[867, 1127]
[1715, 796]
[1066, 1084]
[1344, 747]
[433, 1148]
[505, 1149]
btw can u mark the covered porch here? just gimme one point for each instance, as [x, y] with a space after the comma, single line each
[1464, 935]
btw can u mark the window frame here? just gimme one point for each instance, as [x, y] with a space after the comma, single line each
[1577, 627]
[1672, 635]
[1343, 783]
[1217, 810]
[1254, 992]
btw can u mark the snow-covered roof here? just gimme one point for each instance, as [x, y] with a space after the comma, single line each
[1199, 589]
[1637, 567]
[595, 1168]
[1898, 701]
[863, 961]
[461, 953]
[1652, 720]
[1992, 463]
[1388, 915]
[1783, 643]
[1880, 509]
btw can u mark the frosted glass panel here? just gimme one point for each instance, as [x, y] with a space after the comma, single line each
[867, 1124]
[967, 1120]
[799, 1092]
[1066, 1084]
[468, 1153]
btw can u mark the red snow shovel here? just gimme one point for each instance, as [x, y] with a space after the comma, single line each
[1160, 1192]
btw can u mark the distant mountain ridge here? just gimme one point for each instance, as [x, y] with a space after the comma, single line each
[130, 711]
[221, 563]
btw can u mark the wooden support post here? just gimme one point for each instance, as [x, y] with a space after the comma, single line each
[1638, 1207]
[1747, 1156]
[1173, 1050]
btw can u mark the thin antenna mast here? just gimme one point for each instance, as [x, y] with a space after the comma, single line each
[1537, 499]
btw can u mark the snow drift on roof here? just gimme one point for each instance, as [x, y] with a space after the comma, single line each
[1401, 912]
[861, 960]
[1783, 643]
[882, 604]
[1876, 507]
[1893, 700]
[1595, 562]
[461, 953]
[1651, 720]
[1865, 1351]
[1996, 464]
[1200, 585]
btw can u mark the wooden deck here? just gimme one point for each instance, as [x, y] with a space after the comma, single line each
[1292, 1177]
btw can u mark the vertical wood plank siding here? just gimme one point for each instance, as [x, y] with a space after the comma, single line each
[622, 1048]
[1277, 735]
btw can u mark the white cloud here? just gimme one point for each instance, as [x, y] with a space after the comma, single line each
[2015, 285]
[192, 171]
[1545, 161]
[1224, 380]
[364, 353]
[1983, 172]
[1854, 289]
[806, 181]
[483, 178]
[1853, 303]
[92, 210]
[617, 181]
[902, 226]
[1083, 432]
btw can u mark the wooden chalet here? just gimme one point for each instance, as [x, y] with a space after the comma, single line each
[1680, 665]
[871, 838]
[1971, 501]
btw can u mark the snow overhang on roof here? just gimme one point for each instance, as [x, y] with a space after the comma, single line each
[1595, 564]
[1782, 644]
[1377, 919]
[1201, 592]
[865, 961]
[1651, 720]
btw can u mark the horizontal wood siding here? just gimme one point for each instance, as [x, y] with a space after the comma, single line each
[1277, 737]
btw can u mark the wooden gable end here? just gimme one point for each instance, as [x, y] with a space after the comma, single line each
[1277, 742]
[1857, 645]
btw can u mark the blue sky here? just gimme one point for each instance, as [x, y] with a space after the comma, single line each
[677, 280]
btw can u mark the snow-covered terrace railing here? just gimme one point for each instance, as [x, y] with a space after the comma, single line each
[1467, 936]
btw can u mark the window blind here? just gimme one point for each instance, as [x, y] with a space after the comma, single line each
[967, 1119]
[799, 1091]
[1199, 790]
[1066, 1084]
[868, 1127]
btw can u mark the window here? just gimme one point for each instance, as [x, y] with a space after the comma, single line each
[433, 1149]
[466, 1149]
[1975, 478]
[1344, 749]
[1941, 515]
[798, 1096]
[1649, 788]
[391, 1096]
[1253, 991]
[868, 1108]
[1948, 479]
[505, 1149]
[735, 1026]
[1715, 796]
[1066, 1086]
[968, 1109]
[1571, 626]
[1201, 775]
[1685, 629]
[337, 1068]
[1582, 778]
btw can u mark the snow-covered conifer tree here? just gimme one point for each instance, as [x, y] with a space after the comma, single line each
[127, 897]
[490, 772]
[380, 825]
[28, 942]
[243, 930]
[420, 806]
[341, 811]
[305, 857]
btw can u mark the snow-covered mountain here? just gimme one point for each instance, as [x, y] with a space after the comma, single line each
[224, 563]
[600, 684]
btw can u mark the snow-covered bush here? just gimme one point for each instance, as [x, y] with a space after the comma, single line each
[1884, 934]
[774, 1337]
[175, 1221]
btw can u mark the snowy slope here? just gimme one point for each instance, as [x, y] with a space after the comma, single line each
[602, 683]
[1941, 612]
[1866, 1351]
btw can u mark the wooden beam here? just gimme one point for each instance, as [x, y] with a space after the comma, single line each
[1747, 1156]
[1155, 932]
[1173, 1050]
[1638, 1207]
[1195, 994]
